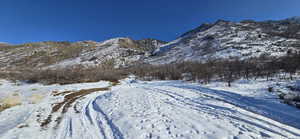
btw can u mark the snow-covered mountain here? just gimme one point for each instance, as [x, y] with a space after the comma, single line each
[116, 52]
[295, 19]
[2, 44]
[222, 39]
[225, 39]
[135, 109]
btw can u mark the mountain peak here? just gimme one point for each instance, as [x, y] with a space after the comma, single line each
[220, 21]
[4, 44]
[295, 19]
[219, 40]
[225, 39]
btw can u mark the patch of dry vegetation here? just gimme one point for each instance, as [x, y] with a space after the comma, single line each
[128, 43]
[10, 101]
[42, 53]
[9, 47]
[69, 75]
[226, 70]
[35, 98]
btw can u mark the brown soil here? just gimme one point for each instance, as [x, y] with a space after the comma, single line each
[69, 98]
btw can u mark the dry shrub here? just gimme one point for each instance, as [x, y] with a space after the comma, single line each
[68, 75]
[23, 125]
[3, 107]
[226, 70]
[157, 72]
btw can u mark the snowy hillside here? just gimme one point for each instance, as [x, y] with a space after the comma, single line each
[4, 44]
[115, 52]
[146, 110]
[222, 39]
[225, 39]
[43, 96]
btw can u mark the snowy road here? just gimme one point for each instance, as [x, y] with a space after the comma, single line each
[166, 110]
[177, 110]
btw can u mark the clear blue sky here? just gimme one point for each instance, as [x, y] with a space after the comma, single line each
[73, 20]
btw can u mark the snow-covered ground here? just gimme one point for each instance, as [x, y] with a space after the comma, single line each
[151, 110]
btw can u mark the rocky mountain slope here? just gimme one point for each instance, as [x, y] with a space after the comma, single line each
[129, 108]
[223, 39]
[3, 44]
[114, 52]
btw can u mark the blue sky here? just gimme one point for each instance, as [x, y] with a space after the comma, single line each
[74, 20]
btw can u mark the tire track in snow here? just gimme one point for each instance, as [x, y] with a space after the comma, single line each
[154, 108]
[276, 111]
[96, 118]
[218, 111]
[115, 130]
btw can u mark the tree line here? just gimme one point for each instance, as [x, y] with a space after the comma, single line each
[226, 70]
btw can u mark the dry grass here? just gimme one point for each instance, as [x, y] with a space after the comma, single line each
[41, 54]
[34, 89]
[10, 101]
[35, 98]
[9, 47]
[4, 107]
[114, 83]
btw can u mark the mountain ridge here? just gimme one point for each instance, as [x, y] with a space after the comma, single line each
[225, 39]
[219, 40]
